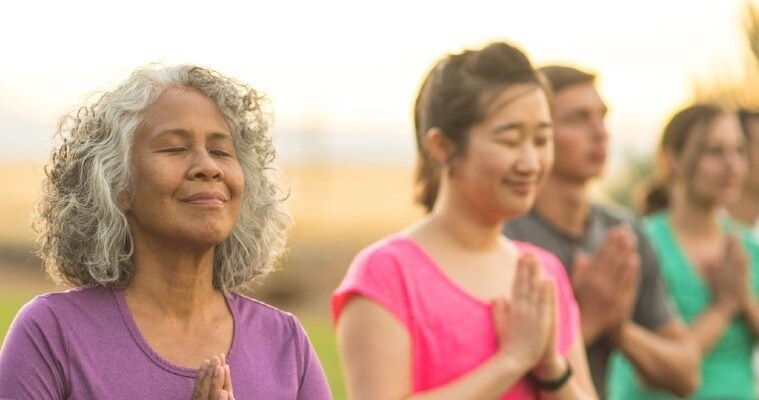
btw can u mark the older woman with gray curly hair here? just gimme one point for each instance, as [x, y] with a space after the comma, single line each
[158, 204]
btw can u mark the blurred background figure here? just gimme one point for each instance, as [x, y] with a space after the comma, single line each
[746, 207]
[159, 204]
[449, 308]
[709, 263]
[622, 300]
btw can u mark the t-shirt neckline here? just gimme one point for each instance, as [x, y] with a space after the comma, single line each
[432, 264]
[131, 325]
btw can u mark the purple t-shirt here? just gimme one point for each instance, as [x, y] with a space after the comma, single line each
[84, 344]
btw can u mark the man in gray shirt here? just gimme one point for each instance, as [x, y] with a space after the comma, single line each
[622, 299]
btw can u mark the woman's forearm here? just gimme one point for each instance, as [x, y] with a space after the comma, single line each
[710, 325]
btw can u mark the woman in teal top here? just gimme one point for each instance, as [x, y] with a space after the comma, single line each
[709, 263]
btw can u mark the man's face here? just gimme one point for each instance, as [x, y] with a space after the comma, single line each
[580, 134]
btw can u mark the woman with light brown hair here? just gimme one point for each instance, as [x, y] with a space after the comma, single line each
[709, 263]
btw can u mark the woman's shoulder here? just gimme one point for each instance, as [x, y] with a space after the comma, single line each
[252, 314]
[51, 316]
[386, 256]
[392, 246]
[63, 304]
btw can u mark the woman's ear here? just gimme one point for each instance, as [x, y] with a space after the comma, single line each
[438, 145]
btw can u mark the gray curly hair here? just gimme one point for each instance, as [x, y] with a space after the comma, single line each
[83, 233]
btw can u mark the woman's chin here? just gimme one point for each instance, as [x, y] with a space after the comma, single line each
[516, 209]
[203, 238]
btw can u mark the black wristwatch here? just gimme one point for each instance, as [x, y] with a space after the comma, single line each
[554, 384]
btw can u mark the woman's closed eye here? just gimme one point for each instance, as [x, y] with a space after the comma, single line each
[509, 142]
[173, 150]
[221, 153]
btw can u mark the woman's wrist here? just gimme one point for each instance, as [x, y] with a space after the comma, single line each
[553, 376]
[550, 369]
[726, 307]
[510, 364]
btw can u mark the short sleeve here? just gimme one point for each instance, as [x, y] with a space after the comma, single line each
[376, 275]
[653, 307]
[313, 383]
[568, 310]
[33, 357]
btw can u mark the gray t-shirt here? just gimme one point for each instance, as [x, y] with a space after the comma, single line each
[652, 307]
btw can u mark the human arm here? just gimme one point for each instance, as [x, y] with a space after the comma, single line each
[580, 385]
[313, 383]
[33, 357]
[659, 346]
[667, 358]
[375, 352]
[711, 324]
[749, 303]
[728, 281]
[375, 347]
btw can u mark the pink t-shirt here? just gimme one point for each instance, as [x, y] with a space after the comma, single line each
[451, 331]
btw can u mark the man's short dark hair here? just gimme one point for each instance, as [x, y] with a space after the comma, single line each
[561, 77]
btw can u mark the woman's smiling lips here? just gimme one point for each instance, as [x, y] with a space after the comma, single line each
[213, 199]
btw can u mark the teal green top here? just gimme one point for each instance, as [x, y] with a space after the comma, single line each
[726, 370]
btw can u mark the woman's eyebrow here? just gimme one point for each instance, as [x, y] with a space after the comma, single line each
[518, 125]
[184, 133]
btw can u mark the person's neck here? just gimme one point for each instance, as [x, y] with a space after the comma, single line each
[565, 204]
[464, 226]
[178, 282]
[693, 219]
[746, 208]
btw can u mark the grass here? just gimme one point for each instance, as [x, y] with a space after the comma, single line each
[318, 328]
[9, 306]
[323, 339]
